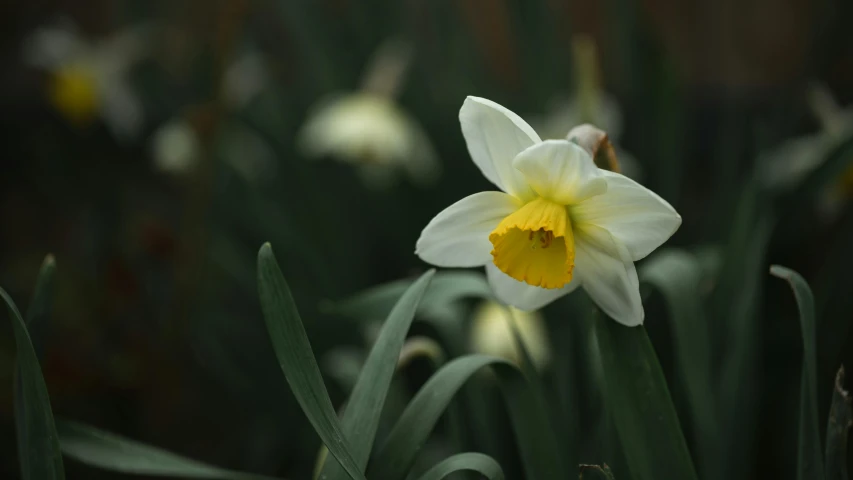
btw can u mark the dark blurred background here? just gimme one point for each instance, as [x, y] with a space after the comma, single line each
[152, 147]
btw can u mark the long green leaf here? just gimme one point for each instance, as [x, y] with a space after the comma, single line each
[471, 461]
[539, 453]
[112, 452]
[809, 454]
[639, 402]
[445, 288]
[677, 275]
[364, 407]
[38, 444]
[297, 361]
[837, 430]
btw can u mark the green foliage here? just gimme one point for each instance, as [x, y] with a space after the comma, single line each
[838, 430]
[475, 462]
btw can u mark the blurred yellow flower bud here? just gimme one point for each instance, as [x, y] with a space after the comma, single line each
[74, 93]
[491, 333]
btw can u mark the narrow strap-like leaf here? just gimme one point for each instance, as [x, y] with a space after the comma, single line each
[809, 453]
[364, 406]
[112, 452]
[293, 350]
[639, 402]
[40, 456]
[539, 453]
[838, 429]
[471, 461]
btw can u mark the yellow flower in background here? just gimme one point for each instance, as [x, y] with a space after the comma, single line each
[368, 129]
[558, 223]
[88, 79]
[491, 333]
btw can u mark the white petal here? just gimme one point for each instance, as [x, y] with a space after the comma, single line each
[608, 275]
[521, 295]
[561, 171]
[459, 235]
[495, 136]
[638, 218]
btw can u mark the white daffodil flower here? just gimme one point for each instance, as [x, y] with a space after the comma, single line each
[175, 147]
[558, 223]
[491, 333]
[89, 79]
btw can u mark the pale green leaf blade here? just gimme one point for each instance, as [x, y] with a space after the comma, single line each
[38, 445]
[360, 419]
[809, 452]
[639, 402]
[471, 461]
[119, 454]
[297, 361]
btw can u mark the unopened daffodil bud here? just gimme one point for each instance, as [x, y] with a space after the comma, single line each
[491, 333]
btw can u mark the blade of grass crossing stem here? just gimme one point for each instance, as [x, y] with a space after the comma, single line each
[112, 452]
[538, 453]
[837, 430]
[677, 275]
[38, 445]
[361, 417]
[471, 461]
[639, 402]
[565, 436]
[297, 361]
[809, 455]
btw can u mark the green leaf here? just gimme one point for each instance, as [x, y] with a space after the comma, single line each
[840, 422]
[112, 452]
[809, 456]
[471, 461]
[538, 452]
[38, 444]
[589, 472]
[445, 289]
[360, 420]
[678, 276]
[297, 361]
[639, 402]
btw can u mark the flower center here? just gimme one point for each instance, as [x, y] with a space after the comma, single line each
[535, 244]
[73, 92]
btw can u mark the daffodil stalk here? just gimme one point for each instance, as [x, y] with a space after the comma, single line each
[557, 223]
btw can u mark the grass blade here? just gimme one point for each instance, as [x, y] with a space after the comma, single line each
[809, 455]
[639, 402]
[112, 452]
[840, 422]
[678, 275]
[38, 444]
[297, 361]
[364, 407]
[474, 462]
[539, 454]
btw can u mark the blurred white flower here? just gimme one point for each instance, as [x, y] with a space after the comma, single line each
[89, 79]
[245, 78]
[175, 147]
[558, 223]
[491, 333]
[368, 129]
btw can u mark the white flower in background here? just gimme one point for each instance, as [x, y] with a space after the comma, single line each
[176, 147]
[589, 104]
[787, 164]
[491, 333]
[89, 79]
[558, 223]
[367, 128]
[245, 78]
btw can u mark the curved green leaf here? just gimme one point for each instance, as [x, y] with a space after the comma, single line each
[474, 462]
[297, 361]
[360, 420]
[809, 455]
[38, 444]
[639, 402]
[538, 452]
[112, 452]
[678, 276]
[445, 288]
[837, 430]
